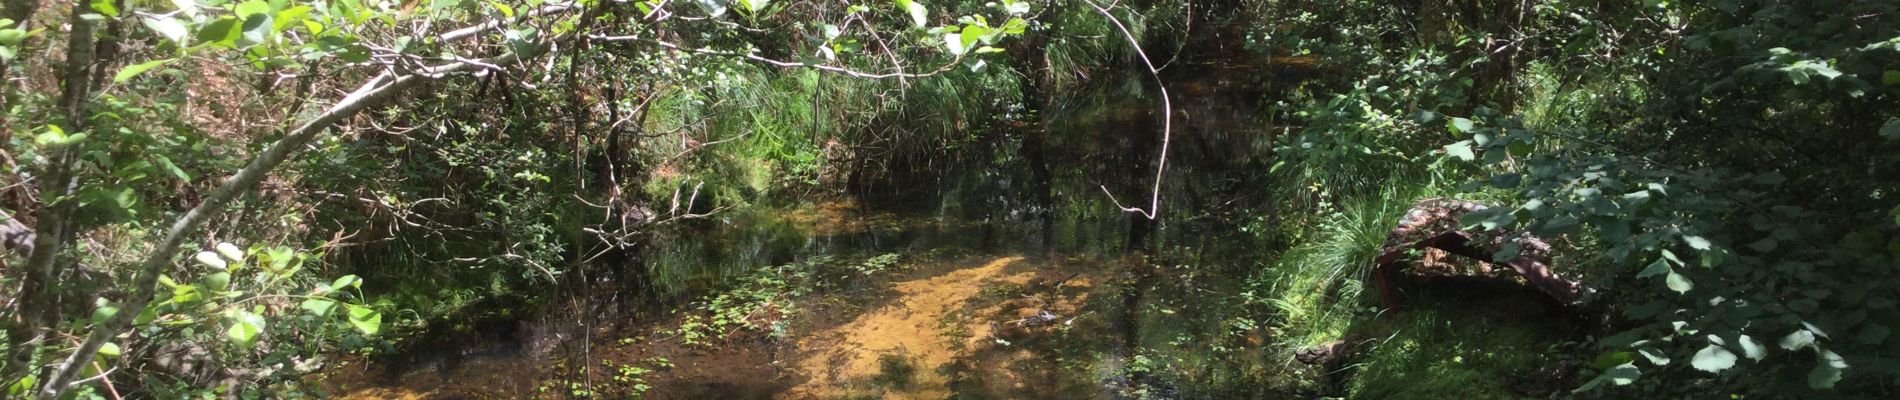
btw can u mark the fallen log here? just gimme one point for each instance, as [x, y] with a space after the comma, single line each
[1435, 224]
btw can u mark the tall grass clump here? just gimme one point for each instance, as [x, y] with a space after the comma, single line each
[1318, 284]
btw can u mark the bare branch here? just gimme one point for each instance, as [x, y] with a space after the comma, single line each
[1167, 121]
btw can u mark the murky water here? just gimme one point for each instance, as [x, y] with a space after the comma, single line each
[1019, 279]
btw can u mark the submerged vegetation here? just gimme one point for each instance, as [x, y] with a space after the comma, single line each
[959, 199]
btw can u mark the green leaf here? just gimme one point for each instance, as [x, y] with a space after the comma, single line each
[1798, 339]
[1713, 359]
[1678, 283]
[346, 281]
[1618, 375]
[1655, 356]
[365, 319]
[166, 162]
[169, 28]
[918, 14]
[1752, 348]
[318, 306]
[256, 29]
[108, 8]
[110, 349]
[219, 281]
[971, 35]
[1891, 77]
[1891, 130]
[953, 42]
[221, 33]
[244, 328]
[136, 69]
[1696, 242]
[1461, 150]
[1654, 269]
[753, 6]
[1460, 125]
[251, 7]
[1828, 371]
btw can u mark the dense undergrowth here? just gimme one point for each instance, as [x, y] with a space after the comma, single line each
[1721, 173]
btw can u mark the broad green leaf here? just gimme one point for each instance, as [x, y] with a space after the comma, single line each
[1016, 7]
[1015, 26]
[166, 162]
[1891, 130]
[1618, 375]
[1678, 283]
[251, 7]
[1654, 269]
[245, 326]
[1713, 359]
[256, 30]
[1798, 339]
[218, 281]
[318, 306]
[108, 8]
[1461, 150]
[169, 28]
[1655, 356]
[12, 37]
[365, 319]
[1460, 125]
[222, 33]
[971, 35]
[1828, 371]
[953, 42]
[103, 311]
[346, 281]
[1696, 242]
[1753, 349]
[109, 349]
[136, 69]
[289, 17]
[918, 14]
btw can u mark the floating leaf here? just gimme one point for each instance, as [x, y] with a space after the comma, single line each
[1713, 359]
